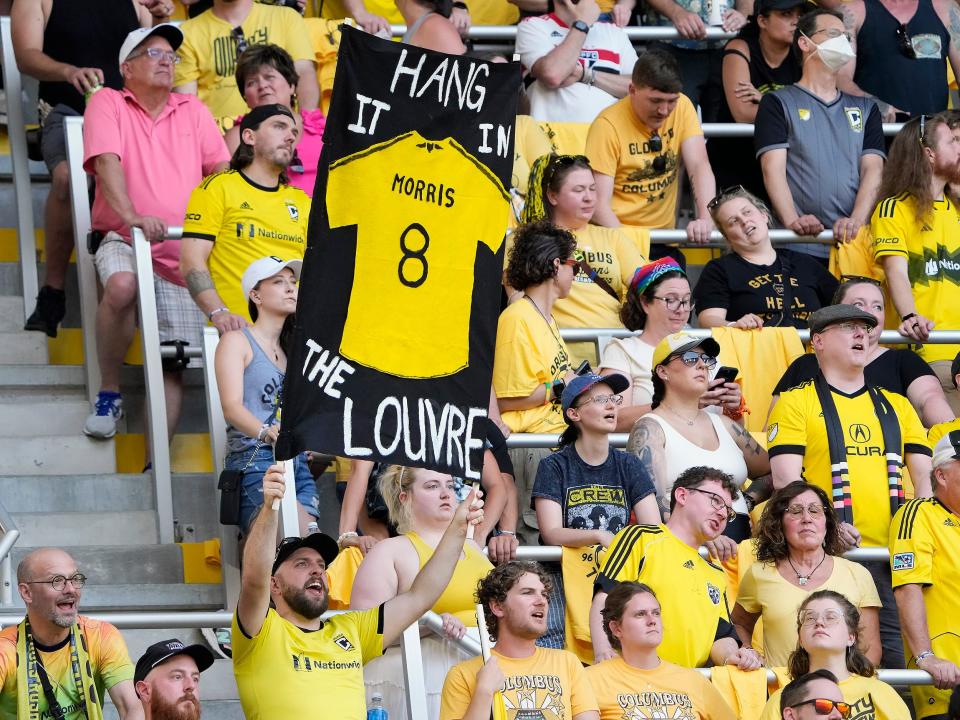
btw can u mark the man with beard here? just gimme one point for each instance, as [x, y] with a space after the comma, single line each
[57, 663]
[243, 214]
[537, 682]
[692, 591]
[286, 658]
[167, 680]
[850, 439]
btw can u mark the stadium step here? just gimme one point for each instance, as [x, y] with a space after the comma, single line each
[11, 313]
[67, 529]
[55, 455]
[23, 348]
[42, 413]
[145, 597]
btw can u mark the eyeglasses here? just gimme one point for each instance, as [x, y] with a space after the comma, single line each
[923, 129]
[813, 510]
[904, 43]
[240, 40]
[692, 357]
[832, 33]
[157, 54]
[59, 582]
[822, 706]
[848, 328]
[674, 304]
[725, 195]
[603, 400]
[828, 618]
[717, 503]
[860, 279]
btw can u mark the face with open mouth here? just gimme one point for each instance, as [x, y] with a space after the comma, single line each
[52, 590]
[743, 225]
[302, 583]
[845, 342]
[596, 409]
[524, 612]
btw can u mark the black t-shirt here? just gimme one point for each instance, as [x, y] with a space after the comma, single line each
[741, 287]
[893, 370]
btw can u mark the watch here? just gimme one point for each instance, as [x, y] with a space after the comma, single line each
[581, 26]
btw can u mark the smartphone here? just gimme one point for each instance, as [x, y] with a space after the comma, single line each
[726, 374]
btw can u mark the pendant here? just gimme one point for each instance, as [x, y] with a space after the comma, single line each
[802, 580]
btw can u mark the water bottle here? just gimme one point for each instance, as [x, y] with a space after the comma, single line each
[376, 711]
[312, 528]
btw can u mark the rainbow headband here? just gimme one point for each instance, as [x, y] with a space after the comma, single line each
[646, 275]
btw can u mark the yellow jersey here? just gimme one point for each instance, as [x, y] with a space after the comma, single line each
[488, 12]
[529, 352]
[283, 670]
[869, 698]
[692, 591]
[245, 222]
[208, 54]
[666, 691]
[932, 249]
[425, 206]
[941, 429]
[618, 145]
[550, 685]
[797, 427]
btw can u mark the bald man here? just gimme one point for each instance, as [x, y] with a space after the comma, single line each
[66, 661]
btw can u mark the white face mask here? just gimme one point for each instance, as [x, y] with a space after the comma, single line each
[835, 52]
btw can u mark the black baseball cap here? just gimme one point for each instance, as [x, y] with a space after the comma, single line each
[321, 542]
[761, 7]
[164, 650]
[955, 368]
[833, 314]
[252, 120]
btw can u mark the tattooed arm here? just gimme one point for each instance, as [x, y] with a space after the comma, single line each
[758, 463]
[647, 442]
[949, 14]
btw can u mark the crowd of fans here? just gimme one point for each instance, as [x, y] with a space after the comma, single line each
[216, 125]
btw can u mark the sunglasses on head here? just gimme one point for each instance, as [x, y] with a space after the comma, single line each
[822, 706]
[860, 279]
[724, 195]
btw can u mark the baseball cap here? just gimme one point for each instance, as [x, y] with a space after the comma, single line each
[833, 314]
[252, 119]
[955, 368]
[267, 267]
[761, 7]
[164, 650]
[947, 448]
[581, 383]
[680, 342]
[321, 542]
[135, 37]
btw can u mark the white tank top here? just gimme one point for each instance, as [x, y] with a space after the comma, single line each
[681, 454]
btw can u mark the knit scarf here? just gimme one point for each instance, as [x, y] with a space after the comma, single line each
[839, 471]
[33, 683]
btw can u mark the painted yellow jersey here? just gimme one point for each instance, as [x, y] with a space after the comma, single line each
[426, 206]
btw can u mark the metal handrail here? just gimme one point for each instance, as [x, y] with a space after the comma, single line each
[9, 537]
[887, 337]
[554, 553]
[508, 33]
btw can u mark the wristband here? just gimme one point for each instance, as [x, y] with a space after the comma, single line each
[344, 536]
[922, 656]
[908, 316]
[217, 310]
[506, 532]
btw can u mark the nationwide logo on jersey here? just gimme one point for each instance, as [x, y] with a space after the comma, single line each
[903, 561]
[714, 592]
[294, 212]
[803, 113]
[859, 433]
[688, 564]
[854, 118]
[342, 641]
[940, 265]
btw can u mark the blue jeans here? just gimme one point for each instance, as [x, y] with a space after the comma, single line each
[251, 494]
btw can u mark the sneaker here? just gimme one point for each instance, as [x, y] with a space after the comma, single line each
[51, 307]
[102, 422]
[219, 640]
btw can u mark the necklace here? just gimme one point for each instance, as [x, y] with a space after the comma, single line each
[560, 343]
[688, 422]
[275, 349]
[804, 579]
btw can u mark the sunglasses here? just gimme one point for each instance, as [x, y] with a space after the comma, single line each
[726, 194]
[692, 357]
[240, 40]
[860, 279]
[904, 43]
[822, 706]
[660, 161]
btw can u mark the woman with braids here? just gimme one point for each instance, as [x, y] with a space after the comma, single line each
[637, 682]
[829, 629]
[658, 303]
[265, 74]
[799, 551]
[421, 504]
[562, 190]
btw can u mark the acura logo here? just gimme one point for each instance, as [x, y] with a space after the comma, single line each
[859, 433]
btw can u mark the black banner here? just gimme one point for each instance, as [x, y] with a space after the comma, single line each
[396, 321]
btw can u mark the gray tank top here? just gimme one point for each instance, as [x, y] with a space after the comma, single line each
[262, 381]
[412, 30]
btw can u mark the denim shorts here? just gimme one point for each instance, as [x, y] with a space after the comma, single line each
[251, 495]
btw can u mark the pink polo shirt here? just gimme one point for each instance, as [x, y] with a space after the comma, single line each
[163, 160]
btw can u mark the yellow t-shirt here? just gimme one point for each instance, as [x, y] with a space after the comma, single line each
[245, 222]
[932, 250]
[691, 590]
[667, 691]
[457, 598]
[284, 670]
[870, 698]
[941, 429]
[209, 54]
[925, 549]
[618, 146]
[763, 590]
[530, 352]
[614, 258]
[424, 208]
[487, 12]
[549, 684]
[797, 427]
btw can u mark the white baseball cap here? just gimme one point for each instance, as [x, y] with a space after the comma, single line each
[166, 30]
[267, 267]
[947, 449]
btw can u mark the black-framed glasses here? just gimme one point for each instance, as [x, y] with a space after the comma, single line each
[904, 43]
[860, 279]
[692, 357]
[240, 40]
[717, 503]
[725, 194]
[823, 706]
[59, 582]
[674, 304]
